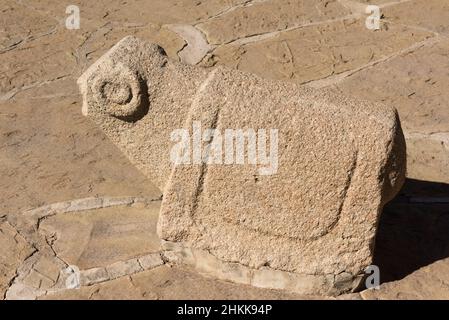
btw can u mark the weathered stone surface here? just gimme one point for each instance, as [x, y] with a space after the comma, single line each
[91, 239]
[416, 84]
[83, 242]
[150, 261]
[264, 277]
[94, 275]
[50, 152]
[411, 13]
[428, 156]
[316, 52]
[14, 249]
[418, 92]
[123, 268]
[171, 283]
[267, 16]
[38, 274]
[339, 161]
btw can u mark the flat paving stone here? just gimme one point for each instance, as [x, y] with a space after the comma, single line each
[316, 52]
[102, 237]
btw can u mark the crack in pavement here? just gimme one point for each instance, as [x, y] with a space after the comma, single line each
[244, 4]
[13, 92]
[336, 78]
[29, 39]
[19, 286]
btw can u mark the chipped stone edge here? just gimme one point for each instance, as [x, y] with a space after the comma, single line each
[308, 284]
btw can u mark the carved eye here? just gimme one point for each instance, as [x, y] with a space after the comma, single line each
[118, 93]
[121, 93]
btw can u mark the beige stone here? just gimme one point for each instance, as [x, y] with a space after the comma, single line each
[122, 268]
[94, 275]
[171, 283]
[46, 142]
[181, 283]
[14, 250]
[312, 210]
[208, 264]
[296, 55]
[265, 277]
[19, 291]
[268, 16]
[150, 261]
[102, 237]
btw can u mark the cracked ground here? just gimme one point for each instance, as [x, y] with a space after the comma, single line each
[70, 198]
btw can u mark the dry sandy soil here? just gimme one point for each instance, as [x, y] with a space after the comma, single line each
[68, 196]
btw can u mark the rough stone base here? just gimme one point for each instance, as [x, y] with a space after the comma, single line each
[265, 277]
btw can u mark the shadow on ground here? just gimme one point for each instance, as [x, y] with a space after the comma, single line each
[413, 229]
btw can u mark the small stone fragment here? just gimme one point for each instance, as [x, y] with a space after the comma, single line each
[122, 268]
[92, 276]
[150, 261]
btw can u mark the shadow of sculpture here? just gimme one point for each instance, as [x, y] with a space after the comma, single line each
[413, 229]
